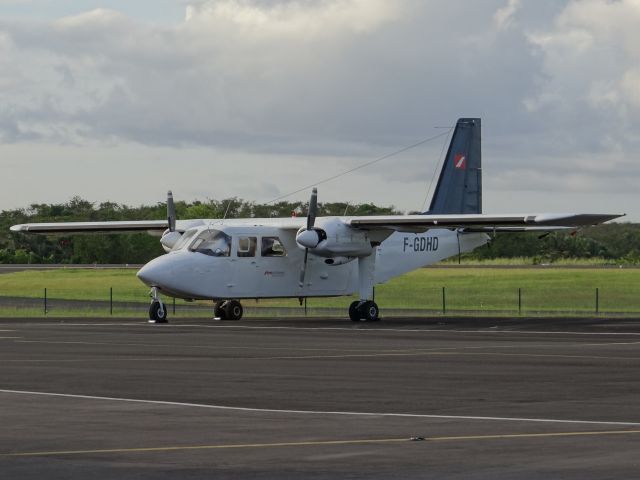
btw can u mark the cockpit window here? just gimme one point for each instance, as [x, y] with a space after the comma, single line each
[213, 243]
[185, 239]
[272, 247]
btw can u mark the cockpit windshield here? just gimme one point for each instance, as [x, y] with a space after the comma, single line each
[185, 239]
[213, 243]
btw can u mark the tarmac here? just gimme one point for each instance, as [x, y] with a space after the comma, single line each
[320, 398]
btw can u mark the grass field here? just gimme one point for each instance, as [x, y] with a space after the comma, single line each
[469, 289]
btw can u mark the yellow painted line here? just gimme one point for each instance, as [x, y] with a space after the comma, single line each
[439, 353]
[208, 447]
[534, 435]
[319, 443]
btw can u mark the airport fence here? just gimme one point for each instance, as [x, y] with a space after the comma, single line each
[427, 301]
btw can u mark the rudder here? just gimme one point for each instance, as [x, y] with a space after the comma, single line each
[459, 188]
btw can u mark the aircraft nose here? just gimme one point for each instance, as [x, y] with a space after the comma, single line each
[156, 273]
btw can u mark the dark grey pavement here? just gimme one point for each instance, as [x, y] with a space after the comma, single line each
[493, 398]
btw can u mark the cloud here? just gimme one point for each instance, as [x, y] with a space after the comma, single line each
[590, 59]
[293, 19]
[238, 72]
[504, 16]
[326, 85]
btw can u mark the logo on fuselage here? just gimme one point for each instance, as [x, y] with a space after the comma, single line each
[269, 273]
[420, 244]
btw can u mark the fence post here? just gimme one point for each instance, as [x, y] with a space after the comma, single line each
[597, 300]
[110, 300]
[305, 306]
[444, 301]
[45, 301]
[174, 305]
[519, 301]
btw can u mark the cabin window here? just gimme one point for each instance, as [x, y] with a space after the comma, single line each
[272, 247]
[213, 243]
[247, 246]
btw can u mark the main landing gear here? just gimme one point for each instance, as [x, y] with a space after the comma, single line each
[157, 309]
[364, 310]
[228, 310]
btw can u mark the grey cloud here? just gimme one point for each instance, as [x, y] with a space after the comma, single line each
[184, 84]
[335, 83]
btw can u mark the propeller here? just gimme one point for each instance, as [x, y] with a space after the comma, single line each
[170, 237]
[311, 236]
[171, 212]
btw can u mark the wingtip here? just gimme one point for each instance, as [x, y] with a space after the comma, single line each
[616, 216]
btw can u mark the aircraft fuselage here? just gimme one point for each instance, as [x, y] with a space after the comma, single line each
[245, 269]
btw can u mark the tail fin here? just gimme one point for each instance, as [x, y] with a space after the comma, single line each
[459, 188]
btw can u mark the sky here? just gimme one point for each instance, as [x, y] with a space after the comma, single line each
[121, 101]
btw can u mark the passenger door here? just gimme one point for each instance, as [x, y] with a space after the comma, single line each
[245, 266]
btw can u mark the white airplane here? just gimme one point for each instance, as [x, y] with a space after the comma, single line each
[230, 260]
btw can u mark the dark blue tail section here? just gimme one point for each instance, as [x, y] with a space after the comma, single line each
[459, 189]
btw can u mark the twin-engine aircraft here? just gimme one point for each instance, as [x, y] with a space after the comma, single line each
[230, 260]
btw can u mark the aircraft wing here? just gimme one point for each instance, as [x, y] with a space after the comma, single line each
[152, 226]
[481, 222]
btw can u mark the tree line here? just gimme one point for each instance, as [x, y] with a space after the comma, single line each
[617, 242]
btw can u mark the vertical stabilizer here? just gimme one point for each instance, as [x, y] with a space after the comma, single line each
[459, 188]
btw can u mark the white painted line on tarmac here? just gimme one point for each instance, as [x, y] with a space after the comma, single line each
[362, 328]
[319, 412]
[356, 353]
[485, 331]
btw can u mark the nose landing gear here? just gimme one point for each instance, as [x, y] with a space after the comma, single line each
[157, 309]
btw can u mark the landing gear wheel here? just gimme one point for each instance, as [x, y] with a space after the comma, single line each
[233, 310]
[354, 314]
[157, 312]
[218, 310]
[369, 311]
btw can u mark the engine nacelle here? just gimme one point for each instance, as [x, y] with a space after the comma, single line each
[169, 240]
[341, 240]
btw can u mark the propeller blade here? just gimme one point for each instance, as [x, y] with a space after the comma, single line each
[171, 212]
[303, 269]
[313, 209]
[305, 237]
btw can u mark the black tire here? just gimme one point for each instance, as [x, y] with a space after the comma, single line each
[354, 313]
[154, 312]
[369, 311]
[219, 311]
[233, 310]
